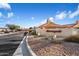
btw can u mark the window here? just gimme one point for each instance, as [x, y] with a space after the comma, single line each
[55, 31]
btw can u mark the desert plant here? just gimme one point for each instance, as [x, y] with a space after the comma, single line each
[74, 38]
[2, 30]
[33, 32]
[13, 26]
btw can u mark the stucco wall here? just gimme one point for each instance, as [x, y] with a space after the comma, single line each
[65, 32]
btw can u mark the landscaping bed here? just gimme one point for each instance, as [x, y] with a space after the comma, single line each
[73, 38]
[44, 47]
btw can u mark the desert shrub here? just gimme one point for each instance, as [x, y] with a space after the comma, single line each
[33, 32]
[74, 38]
[2, 30]
[47, 38]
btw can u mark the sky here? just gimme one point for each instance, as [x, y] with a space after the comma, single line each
[33, 14]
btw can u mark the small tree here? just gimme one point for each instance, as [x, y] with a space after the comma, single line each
[32, 30]
[12, 27]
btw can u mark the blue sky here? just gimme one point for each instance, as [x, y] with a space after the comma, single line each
[32, 14]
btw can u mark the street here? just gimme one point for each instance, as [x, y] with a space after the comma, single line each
[9, 43]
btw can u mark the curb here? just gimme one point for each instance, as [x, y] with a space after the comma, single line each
[29, 48]
[24, 49]
[16, 53]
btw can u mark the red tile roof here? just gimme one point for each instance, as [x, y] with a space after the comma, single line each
[50, 24]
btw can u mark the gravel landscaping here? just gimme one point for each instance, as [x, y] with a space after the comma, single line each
[43, 47]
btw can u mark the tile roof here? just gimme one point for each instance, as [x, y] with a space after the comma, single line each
[50, 24]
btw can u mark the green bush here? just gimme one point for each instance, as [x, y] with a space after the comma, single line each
[33, 32]
[74, 38]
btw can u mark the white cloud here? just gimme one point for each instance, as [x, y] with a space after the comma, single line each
[78, 6]
[75, 13]
[69, 12]
[72, 15]
[45, 20]
[5, 6]
[51, 19]
[32, 18]
[42, 22]
[0, 14]
[10, 14]
[61, 15]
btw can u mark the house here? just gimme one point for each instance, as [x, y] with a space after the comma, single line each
[50, 28]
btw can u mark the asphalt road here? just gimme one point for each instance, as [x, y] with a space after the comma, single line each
[9, 43]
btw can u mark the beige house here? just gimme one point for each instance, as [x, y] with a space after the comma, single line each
[50, 28]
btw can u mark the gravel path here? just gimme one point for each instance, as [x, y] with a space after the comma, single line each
[45, 48]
